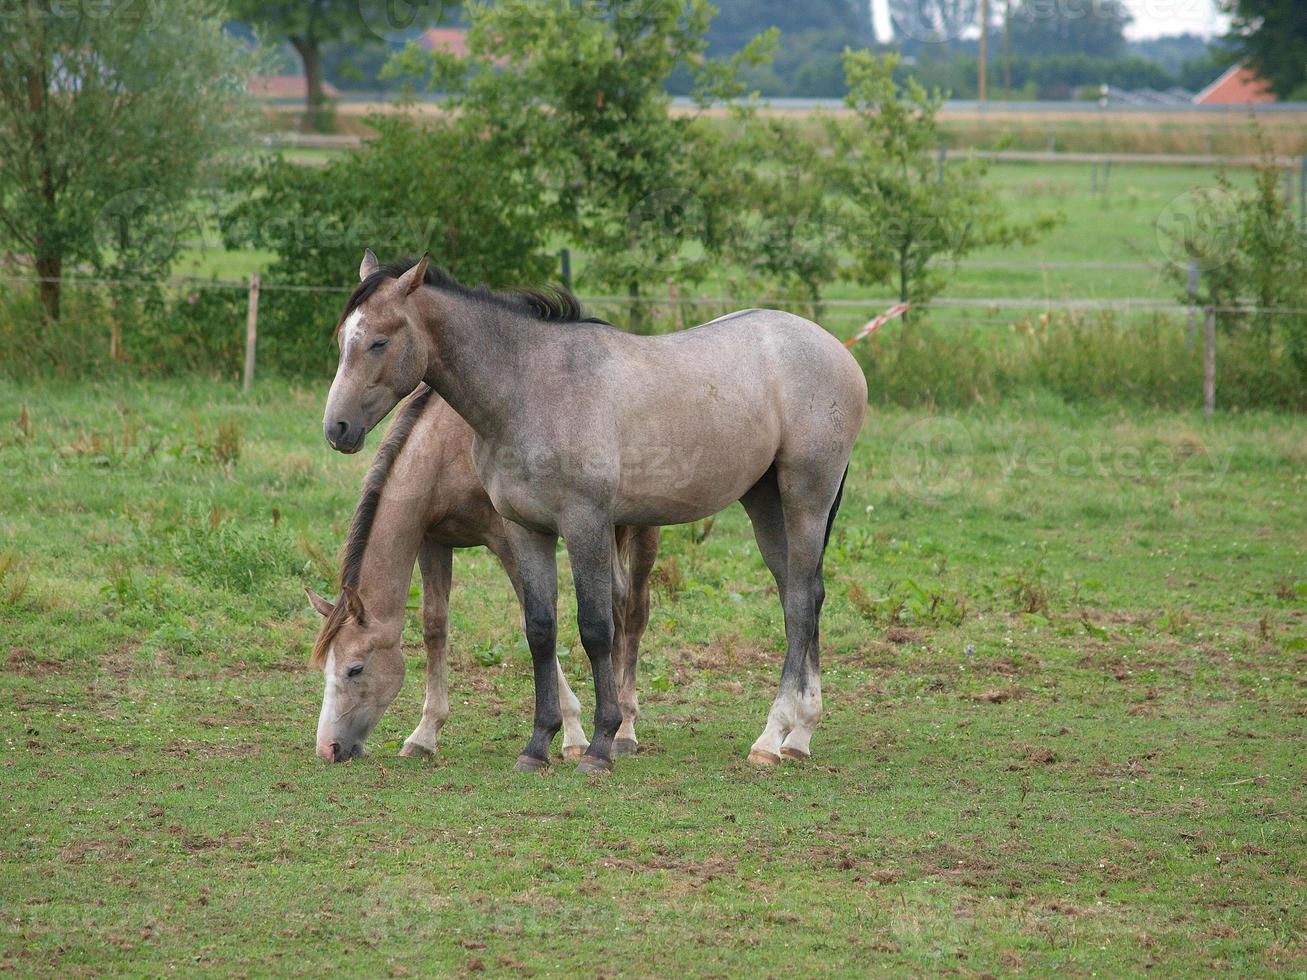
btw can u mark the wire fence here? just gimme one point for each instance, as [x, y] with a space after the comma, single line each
[995, 304]
[948, 310]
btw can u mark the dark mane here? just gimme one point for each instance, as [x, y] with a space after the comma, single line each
[551, 303]
[365, 515]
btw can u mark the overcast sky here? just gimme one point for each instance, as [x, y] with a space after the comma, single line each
[1152, 17]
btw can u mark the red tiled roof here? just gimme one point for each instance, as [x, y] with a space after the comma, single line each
[285, 87]
[450, 39]
[1239, 85]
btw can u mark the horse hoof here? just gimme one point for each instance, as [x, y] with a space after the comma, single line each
[795, 755]
[412, 750]
[625, 746]
[573, 753]
[763, 758]
[592, 763]
[529, 763]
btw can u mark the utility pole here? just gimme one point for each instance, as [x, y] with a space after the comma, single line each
[984, 44]
[1007, 50]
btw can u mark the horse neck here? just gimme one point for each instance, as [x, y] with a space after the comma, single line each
[387, 565]
[479, 356]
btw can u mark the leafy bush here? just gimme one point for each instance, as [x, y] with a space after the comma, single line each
[443, 188]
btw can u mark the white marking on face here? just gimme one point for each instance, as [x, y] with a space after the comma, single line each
[354, 329]
[327, 718]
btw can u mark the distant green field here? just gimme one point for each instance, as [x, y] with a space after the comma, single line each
[1112, 226]
[1064, 653]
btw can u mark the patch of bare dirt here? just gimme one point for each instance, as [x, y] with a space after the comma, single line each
[187, 747]
[22, 660]
[995, 695]
[723, 653]
[902, 635]
[695, 873]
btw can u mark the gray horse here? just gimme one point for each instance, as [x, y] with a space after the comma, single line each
[421, 500]
[581, 427]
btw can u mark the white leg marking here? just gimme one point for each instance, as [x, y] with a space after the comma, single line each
[573, 732]
[807, 713]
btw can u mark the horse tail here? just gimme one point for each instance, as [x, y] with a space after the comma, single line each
[834, 508]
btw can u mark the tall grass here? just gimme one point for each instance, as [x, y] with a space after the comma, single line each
[944, 360]
[1077, 357]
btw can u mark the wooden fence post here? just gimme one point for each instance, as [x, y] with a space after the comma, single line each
[565, 266]
[1209, 362]
[1191, 328]
[251, 331]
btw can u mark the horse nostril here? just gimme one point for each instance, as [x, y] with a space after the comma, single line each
[335, 752]
[342, 427]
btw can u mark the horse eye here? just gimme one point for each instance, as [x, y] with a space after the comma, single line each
[355, 670]
[378, 343]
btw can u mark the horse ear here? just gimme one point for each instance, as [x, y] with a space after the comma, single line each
[369, 264]
[354, 603]
[323, 607]
[412, 279]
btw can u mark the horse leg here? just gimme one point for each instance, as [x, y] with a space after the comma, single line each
[621, 592]
[808, 500]
[590, 546]
[435, 562]
[574, 740]
[641, 553]
[537, 570]
[763, 505]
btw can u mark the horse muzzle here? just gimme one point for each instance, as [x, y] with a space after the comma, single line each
[335, 752]
[344, 436]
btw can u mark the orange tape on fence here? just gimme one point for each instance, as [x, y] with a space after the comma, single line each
[873, 325]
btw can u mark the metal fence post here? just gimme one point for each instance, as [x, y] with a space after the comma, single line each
[251, 331]
[940, 157]
[1191, 328]
[1209, 362]
[565, 267]
[1302, 193]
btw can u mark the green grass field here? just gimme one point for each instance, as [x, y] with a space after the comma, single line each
[1064, 667]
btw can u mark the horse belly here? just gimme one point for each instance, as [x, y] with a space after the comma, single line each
[674, 482]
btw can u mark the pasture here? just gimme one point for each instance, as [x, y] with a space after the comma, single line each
[1064, 729]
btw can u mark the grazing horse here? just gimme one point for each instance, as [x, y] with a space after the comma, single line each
[422, 499]
[581, 427]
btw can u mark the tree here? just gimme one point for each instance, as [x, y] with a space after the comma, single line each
[785, 223]
[441, 185]
[902, 212]
[1272, 36]
[1094, 29]
[931, 21]
[1251, 255]
[813, 36]
[579, 90]
[310, 25]
[103, 138]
